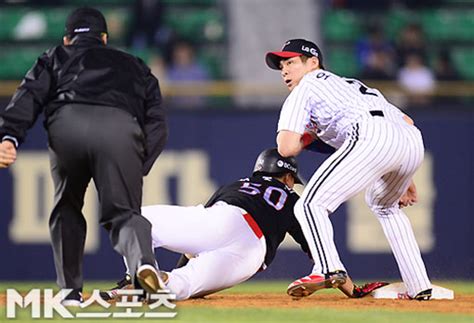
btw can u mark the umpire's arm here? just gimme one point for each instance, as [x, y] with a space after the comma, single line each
[27, 102]
[156, 128]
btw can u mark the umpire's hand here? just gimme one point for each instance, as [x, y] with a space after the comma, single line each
[7, 153]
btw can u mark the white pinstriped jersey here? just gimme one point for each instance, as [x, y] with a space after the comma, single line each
[332, 104]
[377, 151]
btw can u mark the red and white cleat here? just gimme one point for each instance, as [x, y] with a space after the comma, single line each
[309, 284]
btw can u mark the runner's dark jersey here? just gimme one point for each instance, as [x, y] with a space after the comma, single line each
[270, 203]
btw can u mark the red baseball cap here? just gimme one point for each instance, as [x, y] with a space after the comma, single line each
[294, 48]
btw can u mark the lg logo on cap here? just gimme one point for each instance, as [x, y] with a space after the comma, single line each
[312, 51]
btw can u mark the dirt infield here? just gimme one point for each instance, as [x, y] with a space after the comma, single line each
[462, 304]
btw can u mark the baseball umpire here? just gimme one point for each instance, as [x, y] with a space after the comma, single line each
[105, 122]
[378, 148]
[235, 234]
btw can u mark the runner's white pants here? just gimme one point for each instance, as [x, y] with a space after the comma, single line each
[379, 156]
[227, 251]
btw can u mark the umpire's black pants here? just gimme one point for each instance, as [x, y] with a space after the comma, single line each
[107, 145]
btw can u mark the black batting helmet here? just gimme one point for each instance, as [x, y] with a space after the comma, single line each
[270, 162]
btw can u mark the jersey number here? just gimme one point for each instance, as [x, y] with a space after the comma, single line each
[254, 189]
[362, 88]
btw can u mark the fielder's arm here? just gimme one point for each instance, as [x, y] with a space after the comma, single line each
[289, 143]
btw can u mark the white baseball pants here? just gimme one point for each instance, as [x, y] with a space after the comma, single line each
[227, 251]
[381, 156]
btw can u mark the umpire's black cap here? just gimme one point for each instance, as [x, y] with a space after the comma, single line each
[85, 20]
[270, 162]
[294, 48]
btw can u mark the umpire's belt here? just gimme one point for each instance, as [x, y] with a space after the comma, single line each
[376, 113]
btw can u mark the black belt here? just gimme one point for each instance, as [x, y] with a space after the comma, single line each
[376, 113]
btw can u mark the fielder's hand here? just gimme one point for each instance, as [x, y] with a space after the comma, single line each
[410, 197]
[7, 154]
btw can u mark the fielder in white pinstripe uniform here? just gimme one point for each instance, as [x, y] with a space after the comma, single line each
[377, 148]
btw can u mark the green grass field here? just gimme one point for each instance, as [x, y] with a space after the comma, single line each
[314, 313]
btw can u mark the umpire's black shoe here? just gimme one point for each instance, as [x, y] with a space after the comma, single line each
[424, 295]
[111, 294]
[73, 299]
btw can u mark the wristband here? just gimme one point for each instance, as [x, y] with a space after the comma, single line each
[307, 139]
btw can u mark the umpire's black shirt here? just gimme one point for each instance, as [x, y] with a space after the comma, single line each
[270, 203]
[92, 74]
